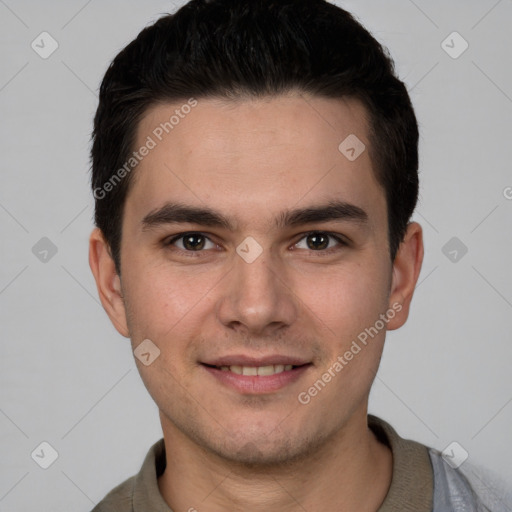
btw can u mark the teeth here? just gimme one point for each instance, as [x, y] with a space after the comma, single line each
[265, 370]
[257, 370]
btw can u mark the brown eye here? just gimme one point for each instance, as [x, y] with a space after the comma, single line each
[192, 242]
[318, 241]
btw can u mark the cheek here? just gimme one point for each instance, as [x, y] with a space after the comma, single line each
[167, 309]
[162, 300]
[345, 307]
[346, 300]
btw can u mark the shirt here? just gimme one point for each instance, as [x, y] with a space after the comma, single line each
[422, 481]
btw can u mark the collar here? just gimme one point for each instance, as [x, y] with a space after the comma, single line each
[412, 480]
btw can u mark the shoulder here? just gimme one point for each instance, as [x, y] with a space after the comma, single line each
[466, 489]
[424, 477]
[119, 499]
[139, 492]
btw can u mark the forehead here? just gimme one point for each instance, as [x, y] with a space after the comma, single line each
[255, 157]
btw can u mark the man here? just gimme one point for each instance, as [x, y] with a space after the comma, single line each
[254, 166]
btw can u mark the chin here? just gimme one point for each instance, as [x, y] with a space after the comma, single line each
[266, 450]
[253, 454]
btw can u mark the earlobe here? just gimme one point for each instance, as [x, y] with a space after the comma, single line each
[406, 270]
[108, 281]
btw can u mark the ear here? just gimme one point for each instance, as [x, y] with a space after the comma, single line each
[107, 281]
[406, 269]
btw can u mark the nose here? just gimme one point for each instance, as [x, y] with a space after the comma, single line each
[257, 297]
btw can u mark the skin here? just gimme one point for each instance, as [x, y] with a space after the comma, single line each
[251, 160]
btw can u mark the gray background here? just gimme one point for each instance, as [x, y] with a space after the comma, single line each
[69, 379]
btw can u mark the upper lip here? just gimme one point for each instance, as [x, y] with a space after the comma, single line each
[244, 360]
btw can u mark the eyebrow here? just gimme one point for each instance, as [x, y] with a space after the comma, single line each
[175, 213]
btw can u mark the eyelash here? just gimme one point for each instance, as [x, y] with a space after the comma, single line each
[196, 254]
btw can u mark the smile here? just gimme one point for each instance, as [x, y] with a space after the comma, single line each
[267, 378]
[256, 370]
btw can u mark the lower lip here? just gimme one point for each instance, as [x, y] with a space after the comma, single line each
[249, 384]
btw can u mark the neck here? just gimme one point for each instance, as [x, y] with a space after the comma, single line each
[350, 471]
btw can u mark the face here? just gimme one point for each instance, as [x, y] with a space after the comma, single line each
[254, 255]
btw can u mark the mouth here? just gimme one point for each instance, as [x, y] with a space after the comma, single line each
[253, 371]
[250, 376]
